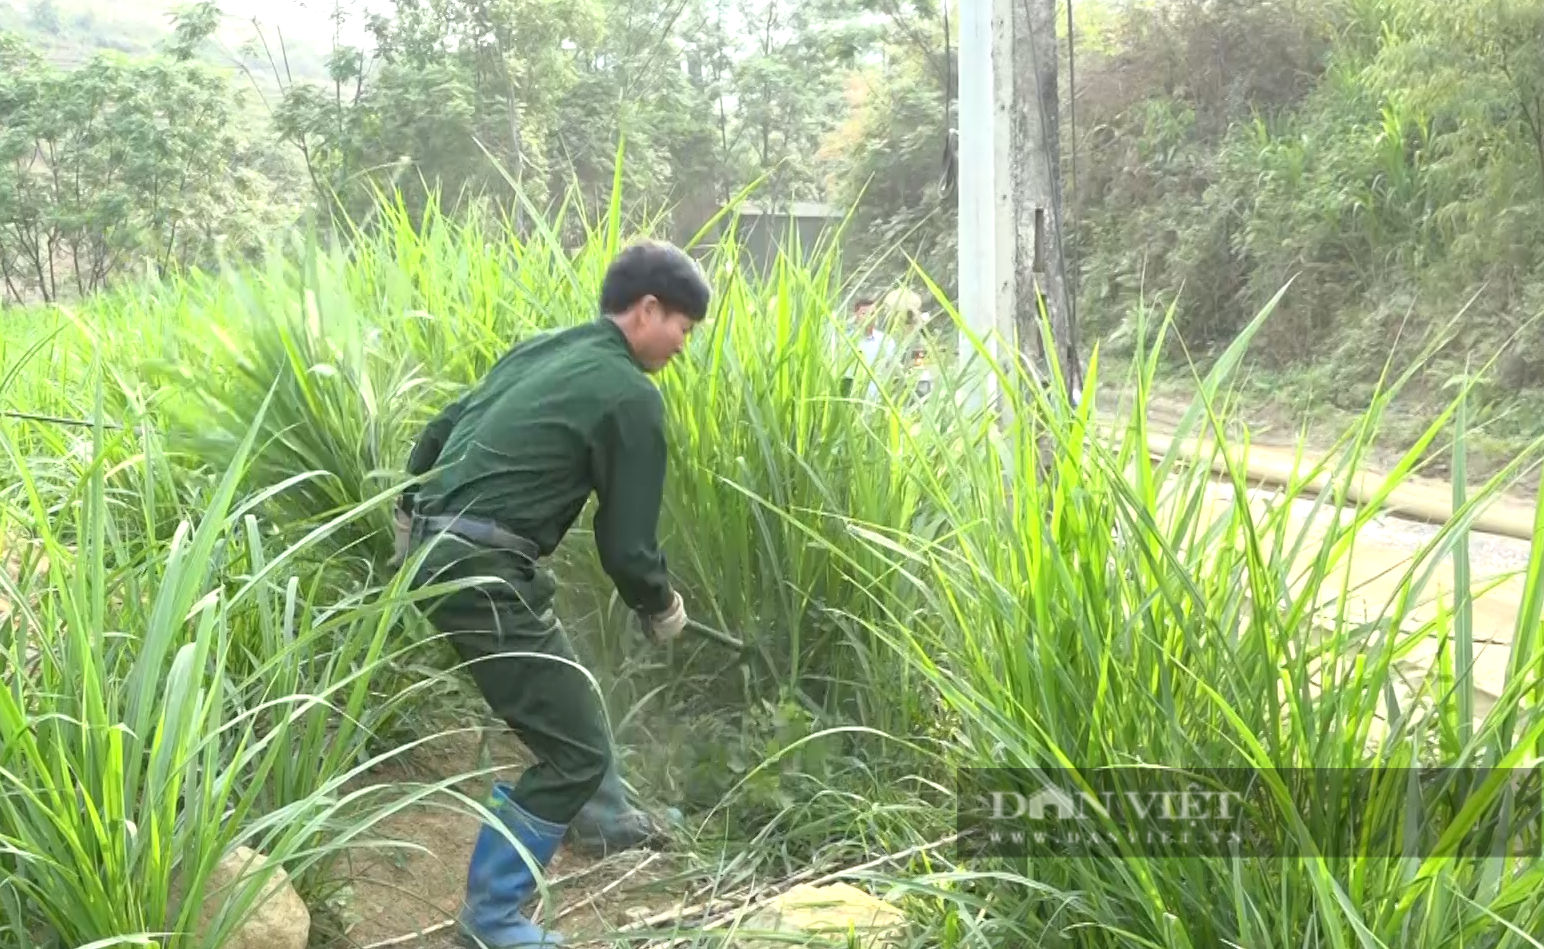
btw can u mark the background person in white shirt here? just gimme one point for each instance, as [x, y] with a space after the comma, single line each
[877, 349]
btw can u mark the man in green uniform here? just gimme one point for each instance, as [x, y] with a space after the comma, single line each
[560, 416]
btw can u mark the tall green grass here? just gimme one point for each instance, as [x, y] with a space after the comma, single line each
[918, 592]
[173, 692]
[1104, 620]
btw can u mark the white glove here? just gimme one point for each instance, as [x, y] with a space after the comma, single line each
[403, 525]
[666, 626]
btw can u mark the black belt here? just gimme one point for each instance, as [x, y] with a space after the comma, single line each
[479, 531]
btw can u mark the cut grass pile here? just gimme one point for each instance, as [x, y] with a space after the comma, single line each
[214, 652]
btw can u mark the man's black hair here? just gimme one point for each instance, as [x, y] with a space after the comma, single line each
[659, 269]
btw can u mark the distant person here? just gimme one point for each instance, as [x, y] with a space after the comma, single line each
[878, 350]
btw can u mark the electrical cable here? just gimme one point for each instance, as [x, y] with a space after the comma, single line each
[949, 175]
[1072, 126]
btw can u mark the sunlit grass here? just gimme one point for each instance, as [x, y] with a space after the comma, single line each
[170, 697]
[917, 591]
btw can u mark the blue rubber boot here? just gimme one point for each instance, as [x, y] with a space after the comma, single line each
[608, 823]
[499, 881]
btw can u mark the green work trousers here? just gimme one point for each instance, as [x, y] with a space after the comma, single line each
[513, 646]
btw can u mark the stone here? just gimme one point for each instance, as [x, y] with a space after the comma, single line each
[277, 918]
[827, 914]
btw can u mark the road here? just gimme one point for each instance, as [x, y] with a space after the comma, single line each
[1386, 547]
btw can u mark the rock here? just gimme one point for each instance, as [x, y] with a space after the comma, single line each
[827, 914]
[277, 919]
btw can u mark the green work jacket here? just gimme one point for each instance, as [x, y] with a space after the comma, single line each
[560, 416]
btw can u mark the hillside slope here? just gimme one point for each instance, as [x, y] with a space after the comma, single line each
[69, 32]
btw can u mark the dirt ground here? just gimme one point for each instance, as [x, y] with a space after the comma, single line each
[1386, 546]
[1272, 429]
[658, 899]
[409, 897]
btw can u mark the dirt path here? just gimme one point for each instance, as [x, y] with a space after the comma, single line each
[1277, 441]
[1377, 564]
[1386, 547]
[408, 898]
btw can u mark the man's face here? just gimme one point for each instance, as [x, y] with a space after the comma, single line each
[663, 335]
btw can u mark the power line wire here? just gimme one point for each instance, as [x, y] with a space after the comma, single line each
[946, 180]
[1072, 126]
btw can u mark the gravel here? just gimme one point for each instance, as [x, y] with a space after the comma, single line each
[1489, 554]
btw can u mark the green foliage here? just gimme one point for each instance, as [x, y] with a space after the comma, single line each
[786, 84]
[1389, 152]
[497, 99]
[891, 172]
[1390, 162]
[171, 695]
[918, 594]
[44, 15]
[310, 359]
[903, 613]
[193, 25]
[887, 158]
[119, 166]
[452, 76]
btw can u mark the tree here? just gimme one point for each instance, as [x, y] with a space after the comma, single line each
[787, 84]
[118, 163]
[886, 164]
[706, 94]
[445, 80]
[44, 16]
[1511, 37]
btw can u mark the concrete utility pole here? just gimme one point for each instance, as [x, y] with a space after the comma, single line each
[1009, 184]
[985, 190]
